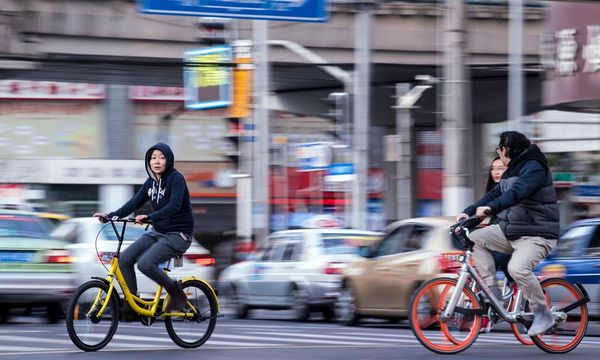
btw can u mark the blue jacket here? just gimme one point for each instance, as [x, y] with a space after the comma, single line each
[524, 200]
[169, 197]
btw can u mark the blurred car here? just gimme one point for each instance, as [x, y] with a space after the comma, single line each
[577, 259]
[54, 218]
[298, 269]
[35, 270]
[93, 246]
[381, 285]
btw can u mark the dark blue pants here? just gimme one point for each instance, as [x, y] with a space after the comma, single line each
[149, 251]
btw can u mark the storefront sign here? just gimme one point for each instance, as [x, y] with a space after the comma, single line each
[570, 52]
[208, 86]
[50, 90]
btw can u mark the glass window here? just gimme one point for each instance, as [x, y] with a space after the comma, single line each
[293, 251]
[132, 233]
[567, 244]
[394, 242]
[66, 231]
[345, 243]
[22, 226]
[416, 238]
[593, 249]
[276, 253]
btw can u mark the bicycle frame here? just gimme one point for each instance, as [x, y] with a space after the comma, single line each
[467, 271]
[133, 300]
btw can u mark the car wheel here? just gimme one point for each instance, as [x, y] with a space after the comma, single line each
[329, 313]
[4, 313]
[54, 312]
[300, 305]
[345, 308]
[238, 304]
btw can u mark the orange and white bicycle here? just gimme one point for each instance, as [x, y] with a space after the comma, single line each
[446, 314]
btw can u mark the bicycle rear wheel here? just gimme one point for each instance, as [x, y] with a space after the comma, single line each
[193, 331]
[569, 330]
[87, 330]
[444, 337]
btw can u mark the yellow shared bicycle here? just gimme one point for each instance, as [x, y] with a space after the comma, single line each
[94, 312]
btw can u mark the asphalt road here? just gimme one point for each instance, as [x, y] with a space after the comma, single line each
[269, 335]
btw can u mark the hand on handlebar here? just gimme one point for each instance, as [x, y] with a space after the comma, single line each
[461, 216]
[141, 219]
[102, 217]
[483, 211]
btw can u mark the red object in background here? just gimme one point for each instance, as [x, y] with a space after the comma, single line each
[429, 184]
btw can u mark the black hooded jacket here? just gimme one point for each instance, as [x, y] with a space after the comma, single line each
[169, 197]
[525, 200]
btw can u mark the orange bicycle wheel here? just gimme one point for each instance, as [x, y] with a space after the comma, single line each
[569, 330]
[444, 337]
[518, 329]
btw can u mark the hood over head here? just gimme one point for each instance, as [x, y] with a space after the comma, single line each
[166, 150]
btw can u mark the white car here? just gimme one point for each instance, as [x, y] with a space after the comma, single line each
[93, 245]
[298, 269]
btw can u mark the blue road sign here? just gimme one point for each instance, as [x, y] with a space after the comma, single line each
[281, 10]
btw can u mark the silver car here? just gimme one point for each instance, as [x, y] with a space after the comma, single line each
[298, 269]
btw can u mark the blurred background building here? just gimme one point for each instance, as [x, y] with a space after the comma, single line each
[88, 86]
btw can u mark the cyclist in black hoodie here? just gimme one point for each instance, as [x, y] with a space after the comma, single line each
[525, 205]
[172, 220]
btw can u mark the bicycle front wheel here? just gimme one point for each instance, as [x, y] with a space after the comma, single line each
[88, 329]
[571, 325]
[444, 337]
[195, 328]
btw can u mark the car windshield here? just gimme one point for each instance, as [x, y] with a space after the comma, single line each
[21, 226]
[346, 243]
[567, 244]
[132, 233]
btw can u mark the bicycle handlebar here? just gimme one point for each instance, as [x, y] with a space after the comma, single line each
[128, 220]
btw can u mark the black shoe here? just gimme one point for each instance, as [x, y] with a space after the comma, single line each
[127, 313]
[177, 298]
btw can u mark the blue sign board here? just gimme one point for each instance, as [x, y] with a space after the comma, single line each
[337, 169]
[280, 10]
[207, 86]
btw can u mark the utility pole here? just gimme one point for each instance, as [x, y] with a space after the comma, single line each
[260, 119]
[515, 64]
[458, 142]
[362, 93]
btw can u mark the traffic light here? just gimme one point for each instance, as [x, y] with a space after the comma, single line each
[340, 112]
[339, 107]
[214, 31]
[234, 131]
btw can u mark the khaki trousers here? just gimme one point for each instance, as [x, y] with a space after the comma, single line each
[527, 252]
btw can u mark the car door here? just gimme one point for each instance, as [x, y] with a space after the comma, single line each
[577, 258]
[379, 268]
[262, 283]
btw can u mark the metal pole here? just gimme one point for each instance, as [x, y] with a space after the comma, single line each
[261, 169]
[404, 173]
[458, 147]
[515, 64]
[362, 34]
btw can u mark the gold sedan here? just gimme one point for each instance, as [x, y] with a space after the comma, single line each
[381, 285]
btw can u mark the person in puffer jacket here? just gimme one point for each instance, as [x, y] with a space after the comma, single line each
[172, 221]
[525, 205]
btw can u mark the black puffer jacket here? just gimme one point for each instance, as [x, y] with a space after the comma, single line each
[525, 199]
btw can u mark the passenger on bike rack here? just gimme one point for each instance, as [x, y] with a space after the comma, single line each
[526, 207]
[172, 221]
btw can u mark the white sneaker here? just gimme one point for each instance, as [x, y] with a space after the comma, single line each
[542, 321]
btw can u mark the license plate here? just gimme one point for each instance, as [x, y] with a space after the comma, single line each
[107, 257]
[16, 256]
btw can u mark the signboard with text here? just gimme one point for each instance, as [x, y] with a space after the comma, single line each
[207, 86]
[280, 10]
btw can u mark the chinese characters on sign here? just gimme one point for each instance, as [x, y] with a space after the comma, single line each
[560, 50]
